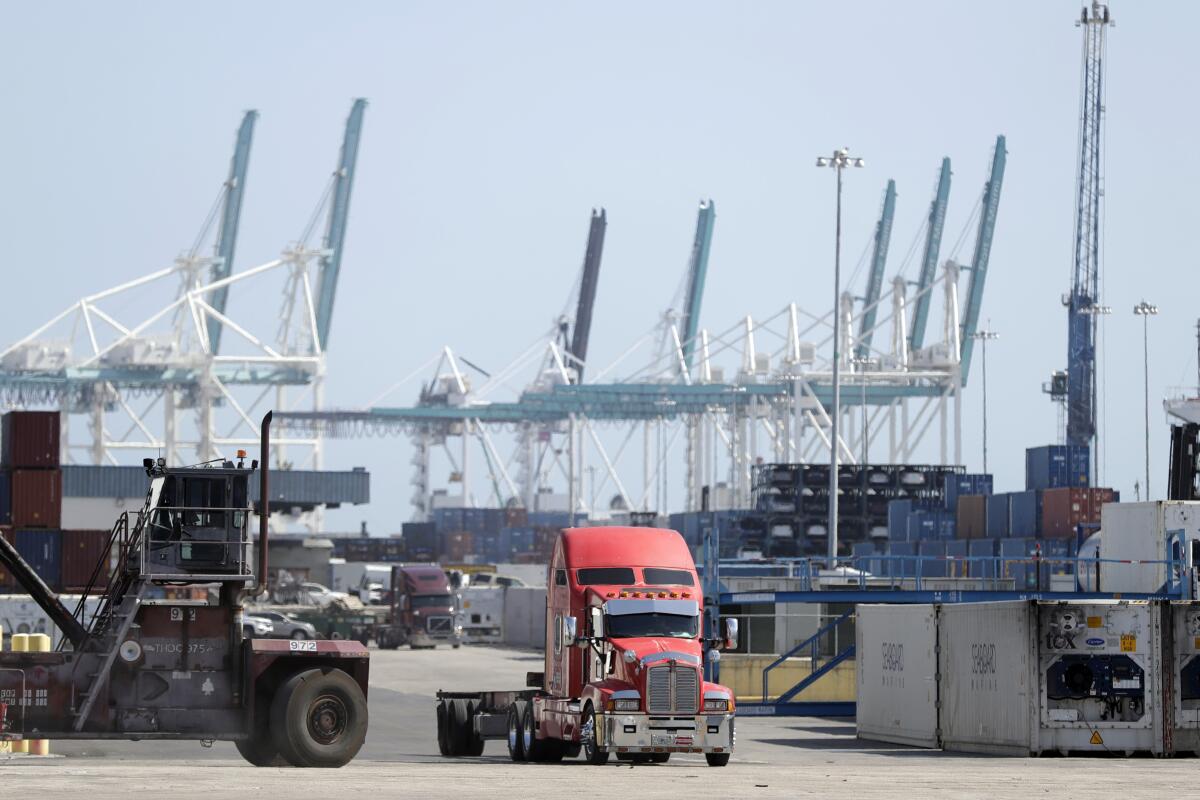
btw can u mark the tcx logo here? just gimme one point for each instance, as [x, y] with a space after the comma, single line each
[983, 659]
[893, 657]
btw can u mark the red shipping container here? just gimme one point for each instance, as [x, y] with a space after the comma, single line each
[36, 498]
[6, 578]
[29, 439]
[971, 516]
[1064, 508]
[81, 551]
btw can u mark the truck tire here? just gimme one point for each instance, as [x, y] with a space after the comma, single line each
[716, 759]
[319, 718]
[587, 737]
[542, 751]
[461, 727]
[516, 745]
[443, 733]
[261, 751]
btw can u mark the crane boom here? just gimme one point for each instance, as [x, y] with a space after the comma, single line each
[231, 212]
[587, 289]
[983, 249]
[1085, 278]
[883, 236]
[933, 245]
[697, 272]
[339, 211]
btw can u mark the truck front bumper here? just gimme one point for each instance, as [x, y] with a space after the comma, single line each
[424, 639]
[621, 732]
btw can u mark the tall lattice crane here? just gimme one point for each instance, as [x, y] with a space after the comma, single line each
[1083, 302]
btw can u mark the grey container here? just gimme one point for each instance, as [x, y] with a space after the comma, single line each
[896, 664]
[1183, 705]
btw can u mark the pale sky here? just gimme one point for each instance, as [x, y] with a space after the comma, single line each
[494, 128]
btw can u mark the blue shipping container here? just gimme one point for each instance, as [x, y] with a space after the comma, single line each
[997, 526]
[900, 566]
[898, 512]
[982, 549]
[1057, 465]
[929, 551]
[972, 483]
[1025, 514]
[956, 549]
[42, 550]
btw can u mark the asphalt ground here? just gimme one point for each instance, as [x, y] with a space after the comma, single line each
[775, 757]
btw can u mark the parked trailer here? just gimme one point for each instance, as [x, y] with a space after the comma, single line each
[624, 652]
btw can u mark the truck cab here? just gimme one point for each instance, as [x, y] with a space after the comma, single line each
[424, 610]
[625, 650]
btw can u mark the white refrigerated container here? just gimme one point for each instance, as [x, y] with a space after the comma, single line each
[1183, 699]
[1158, 531]
[896, 663]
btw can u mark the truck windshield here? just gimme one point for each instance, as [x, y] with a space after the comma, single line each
[431, 601]
[622, 626]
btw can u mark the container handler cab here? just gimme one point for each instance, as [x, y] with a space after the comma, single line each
[623, 670]
[140, 668]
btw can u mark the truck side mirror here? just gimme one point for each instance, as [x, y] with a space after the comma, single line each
[569, 631]
[597, 622]
[731, 634]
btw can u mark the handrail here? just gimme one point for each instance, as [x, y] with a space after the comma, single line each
[809, 641]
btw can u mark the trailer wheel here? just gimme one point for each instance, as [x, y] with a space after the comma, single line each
[261, 751]
[319, 718]
[474, 740]
[539, 750]
[716, 759]
[587, 737]
[461, 731]
[516, 745]
[443, 735]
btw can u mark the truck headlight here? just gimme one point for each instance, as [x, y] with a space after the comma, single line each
[721, 704]
[624, 704]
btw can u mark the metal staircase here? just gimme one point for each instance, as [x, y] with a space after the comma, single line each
[124, 615]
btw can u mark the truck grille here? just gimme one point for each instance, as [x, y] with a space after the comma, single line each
[438, 625]
[672, 689]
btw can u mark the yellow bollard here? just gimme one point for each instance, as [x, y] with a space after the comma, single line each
[39, 643]
[20, 644]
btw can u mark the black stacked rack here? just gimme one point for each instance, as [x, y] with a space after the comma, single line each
[791, 503]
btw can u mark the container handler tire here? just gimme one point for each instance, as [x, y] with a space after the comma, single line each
[516, 747]
[261, 751]
[319, 718]
[716, 759]
[587, 737]
[443, 733]
[543, 751]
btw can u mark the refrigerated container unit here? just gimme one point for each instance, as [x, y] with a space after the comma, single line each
[896, 670]
[1012, 678]
[1153, 533]
[1024, 678]
[1057, 465]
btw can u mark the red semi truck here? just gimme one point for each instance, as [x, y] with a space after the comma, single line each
[424, 611]
[624, 659]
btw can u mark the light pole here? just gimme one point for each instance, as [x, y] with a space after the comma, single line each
[1145, 311]
[837, 162]
[985, 336]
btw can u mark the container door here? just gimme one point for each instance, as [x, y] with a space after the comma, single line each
[896, 656]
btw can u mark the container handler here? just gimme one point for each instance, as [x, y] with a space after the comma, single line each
[137, 668]
[623, 663]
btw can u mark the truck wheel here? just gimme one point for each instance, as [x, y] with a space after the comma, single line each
[587, 737]
[443, 734]
[261, 751]
[516, 745]
[462, 732]
[319, 718]
[540, 750]
[716, 759]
